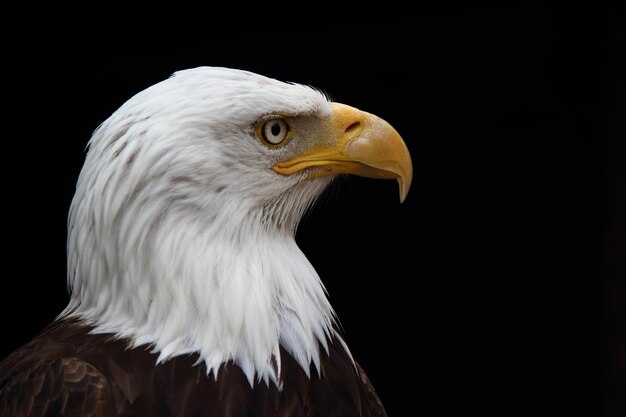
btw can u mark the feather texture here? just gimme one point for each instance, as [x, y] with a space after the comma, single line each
[68, 371]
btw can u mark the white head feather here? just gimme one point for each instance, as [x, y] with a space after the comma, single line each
[181, 236]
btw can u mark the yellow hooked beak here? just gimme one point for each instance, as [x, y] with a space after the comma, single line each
[361, 144]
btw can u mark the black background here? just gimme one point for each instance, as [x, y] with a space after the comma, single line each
[497, 288]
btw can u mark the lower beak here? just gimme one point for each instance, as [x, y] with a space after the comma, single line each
[363, 145]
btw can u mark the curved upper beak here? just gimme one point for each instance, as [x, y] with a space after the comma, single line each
[361, 144]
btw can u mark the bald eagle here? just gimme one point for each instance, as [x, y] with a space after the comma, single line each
[189, 294]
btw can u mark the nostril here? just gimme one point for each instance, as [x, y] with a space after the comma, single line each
[354, 126]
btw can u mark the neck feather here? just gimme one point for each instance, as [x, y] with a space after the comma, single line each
[230, 290]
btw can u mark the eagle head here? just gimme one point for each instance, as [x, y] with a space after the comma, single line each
[181, 230]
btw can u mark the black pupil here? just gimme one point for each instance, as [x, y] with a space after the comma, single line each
[275, 129]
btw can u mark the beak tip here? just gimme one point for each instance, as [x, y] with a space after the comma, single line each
[404, 189]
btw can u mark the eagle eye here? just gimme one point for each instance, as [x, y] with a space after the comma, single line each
[274, 131]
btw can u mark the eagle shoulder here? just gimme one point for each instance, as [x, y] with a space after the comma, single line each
[64, 387]
[64, 371]
[375, 404]
[69, 371]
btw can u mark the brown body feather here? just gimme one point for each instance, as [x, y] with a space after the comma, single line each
[65, 371]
